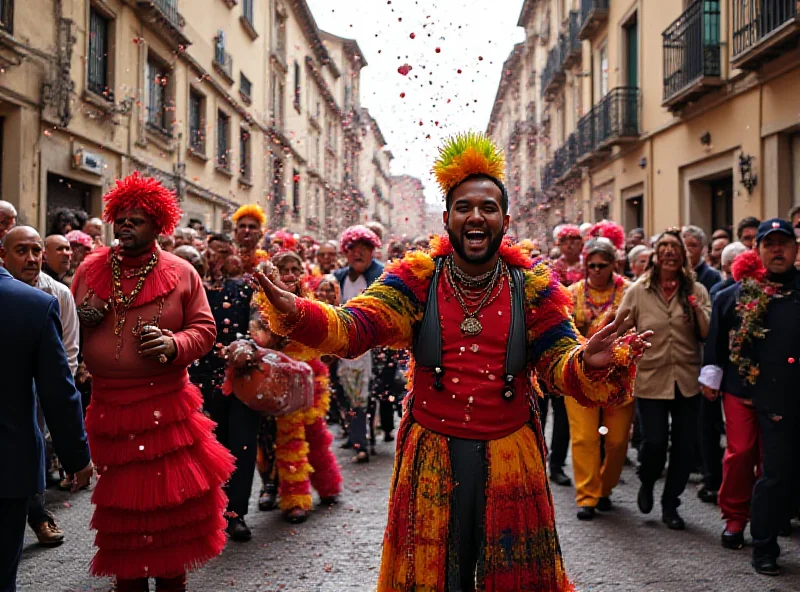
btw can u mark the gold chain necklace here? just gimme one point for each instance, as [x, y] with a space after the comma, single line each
[120, 303]
[471, 325]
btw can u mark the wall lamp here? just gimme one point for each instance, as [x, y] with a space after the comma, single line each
[749, 178]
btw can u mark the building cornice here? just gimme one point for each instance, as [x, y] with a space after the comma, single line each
[323, 86]
[510, 73]
[313, 34]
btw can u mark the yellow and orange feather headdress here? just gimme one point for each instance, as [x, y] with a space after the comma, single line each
[251, 211]
[470, 153]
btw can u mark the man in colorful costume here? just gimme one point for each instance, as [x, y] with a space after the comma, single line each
[248, 228]
[144, 318]
[470, 506]
[301, 440]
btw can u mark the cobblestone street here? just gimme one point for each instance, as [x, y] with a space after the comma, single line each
[338, 549]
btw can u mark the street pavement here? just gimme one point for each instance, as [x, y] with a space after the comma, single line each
[338, 549]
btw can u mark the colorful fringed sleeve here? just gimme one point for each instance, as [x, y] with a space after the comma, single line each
[383, 315]
[557, 349]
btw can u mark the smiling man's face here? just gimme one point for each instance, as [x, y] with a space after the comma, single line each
[475, 221]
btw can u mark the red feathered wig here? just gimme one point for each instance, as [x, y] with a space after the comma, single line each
[610, 230]
[148, 195]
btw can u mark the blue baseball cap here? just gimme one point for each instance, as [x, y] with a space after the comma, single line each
[774, 225]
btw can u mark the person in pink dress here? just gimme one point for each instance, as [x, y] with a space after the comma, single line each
[144, 319]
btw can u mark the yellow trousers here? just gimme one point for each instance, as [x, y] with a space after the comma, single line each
[594, 479]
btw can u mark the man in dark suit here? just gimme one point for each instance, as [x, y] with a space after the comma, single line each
[359, 244]
[33, 363]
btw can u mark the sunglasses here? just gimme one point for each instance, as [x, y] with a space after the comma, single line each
[598, 266]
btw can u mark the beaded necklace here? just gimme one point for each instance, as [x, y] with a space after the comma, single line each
[471, 325]
[120, 303]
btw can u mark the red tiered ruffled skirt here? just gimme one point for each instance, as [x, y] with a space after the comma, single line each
[159, 499]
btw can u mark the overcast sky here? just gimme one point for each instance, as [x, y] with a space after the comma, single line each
[472, 36]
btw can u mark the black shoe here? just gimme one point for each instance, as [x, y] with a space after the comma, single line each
[645, 498]
[268, 500]
[707, 496]
[238, 530]
[346, 445]
[766, 565]
[388, 437]
[604, 504]
[732, 540]
[585, 513]
[672, 519]
[560, 478]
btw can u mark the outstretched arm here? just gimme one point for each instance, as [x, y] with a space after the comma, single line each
[597, 372]
[384, 315]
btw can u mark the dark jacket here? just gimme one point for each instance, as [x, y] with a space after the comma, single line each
[777, 354]
[720, 287]
[33, 363]
[707, 275]
[372, 273]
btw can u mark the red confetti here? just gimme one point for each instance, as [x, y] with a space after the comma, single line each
[404, 69]
[402, 95]
[791, 360]
[413, 35]
[438, 50]
[459, 70]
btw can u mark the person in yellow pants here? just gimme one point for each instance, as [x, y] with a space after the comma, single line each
[596, 300]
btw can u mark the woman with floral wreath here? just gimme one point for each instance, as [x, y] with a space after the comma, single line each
[668, 301]
[595, 303]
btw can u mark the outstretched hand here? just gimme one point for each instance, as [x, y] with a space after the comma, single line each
[281, 300]
[599, 350]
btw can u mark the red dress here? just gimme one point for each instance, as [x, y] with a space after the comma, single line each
[159, 493]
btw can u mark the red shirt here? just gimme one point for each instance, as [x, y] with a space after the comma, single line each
[471, 405]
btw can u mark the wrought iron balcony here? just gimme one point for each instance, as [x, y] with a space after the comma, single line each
[761, 29]
[594, 14]
[553, 75]
[692, 54]
[164, 15]
[223, 61]
[571, 48]
[548, 176]
[617, 117]
[586, 140]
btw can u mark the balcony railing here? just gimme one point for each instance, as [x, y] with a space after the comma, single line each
[548, 176]
[164, 13]
[594, 13]
[692, 54]
[617, 117]
[586, 138]
[571, 49]
[553, 75]
[760, 30]
[223, 62]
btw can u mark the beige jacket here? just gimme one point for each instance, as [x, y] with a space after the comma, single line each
[675, 356]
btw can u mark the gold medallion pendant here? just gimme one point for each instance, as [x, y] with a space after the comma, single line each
[471, 326]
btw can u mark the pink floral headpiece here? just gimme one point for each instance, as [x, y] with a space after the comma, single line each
[358, 233]
[568, 231]
[610, 230]
[81, 238]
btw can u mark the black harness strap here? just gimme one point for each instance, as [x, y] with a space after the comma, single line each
[428, 340]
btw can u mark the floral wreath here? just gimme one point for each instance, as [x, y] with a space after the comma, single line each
[752, 306]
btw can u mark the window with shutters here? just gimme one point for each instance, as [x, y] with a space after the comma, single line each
[223, 140]
[197, 121]
[98, 59]
[158, 88]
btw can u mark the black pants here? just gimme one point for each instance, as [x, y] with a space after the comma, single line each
[12, 536]
[710, 433]
[773, 501]
[36, 512]
[468, 464]
[358, 428]
[237, 430]
[559, 441]
[654, 421]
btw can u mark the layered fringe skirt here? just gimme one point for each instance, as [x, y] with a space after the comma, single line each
[520, 550]
[159, 499]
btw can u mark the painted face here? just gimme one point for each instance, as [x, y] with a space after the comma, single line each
[135, 231]
[669, 253]
[475, 221]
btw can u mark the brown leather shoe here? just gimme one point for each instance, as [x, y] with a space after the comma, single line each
[296, 515]
[49, 534]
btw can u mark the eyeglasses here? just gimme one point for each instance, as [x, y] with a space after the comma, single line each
[598, 266]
